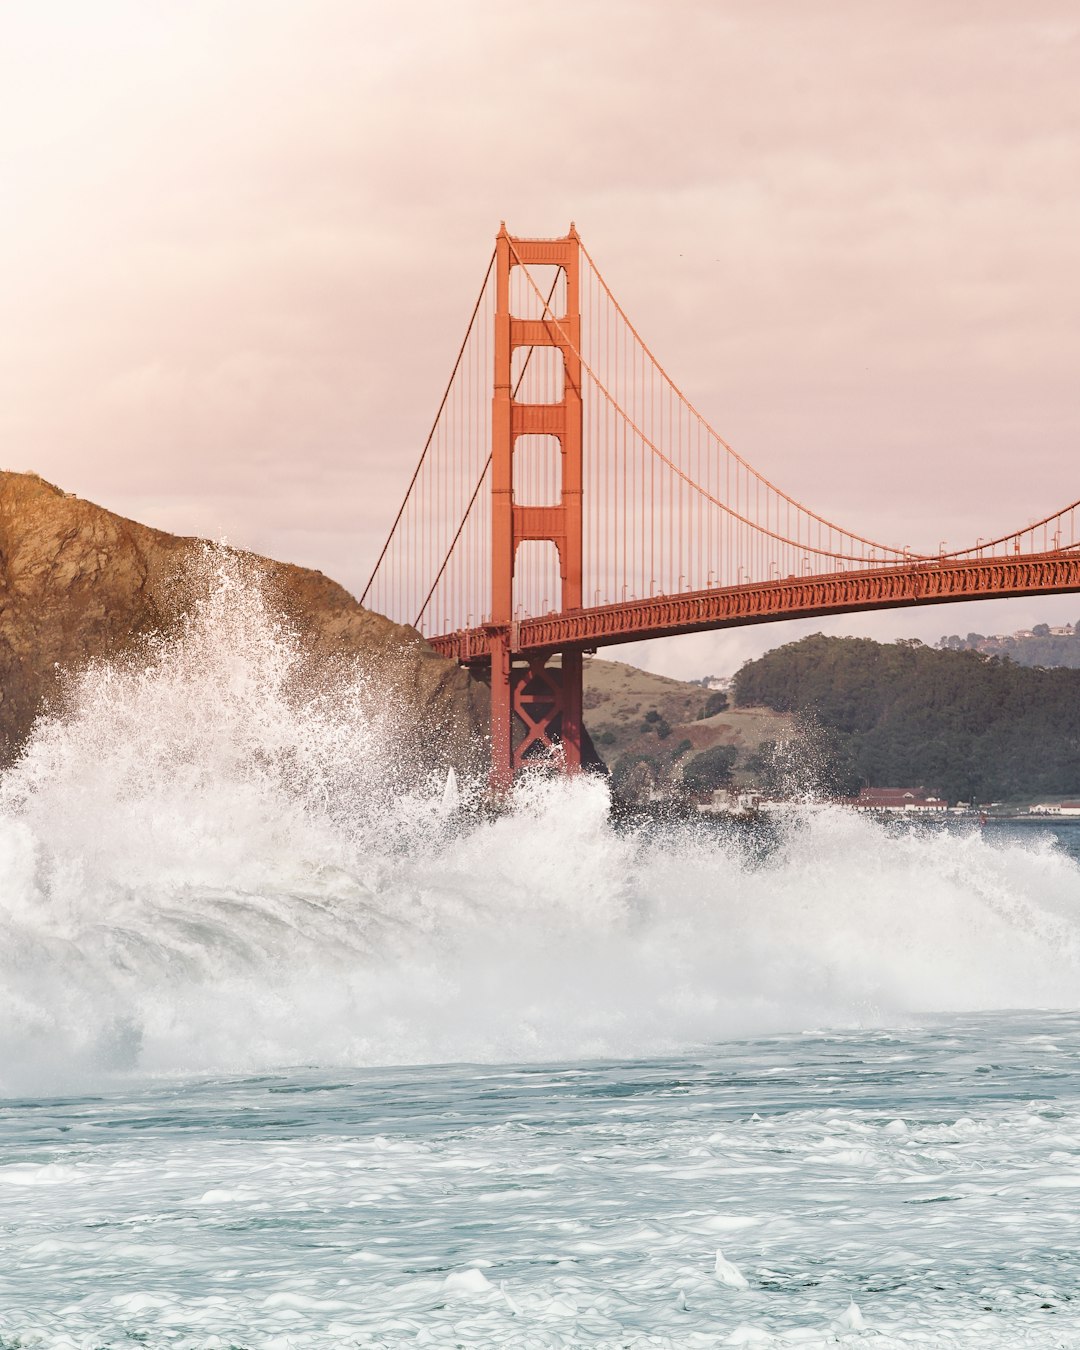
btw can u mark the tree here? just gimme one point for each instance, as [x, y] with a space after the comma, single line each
[973, 725]
[717, 702]
[634, 767]
[709, 770]
[1041, 630]
[759, 761]
[633, 777]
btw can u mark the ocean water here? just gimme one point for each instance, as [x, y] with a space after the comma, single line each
[295, 1051]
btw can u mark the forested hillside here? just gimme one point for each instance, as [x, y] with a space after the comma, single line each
[973, 726]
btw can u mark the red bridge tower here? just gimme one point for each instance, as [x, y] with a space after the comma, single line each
[542, 688]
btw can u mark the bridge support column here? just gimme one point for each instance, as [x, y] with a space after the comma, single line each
[545, 698]
[535, 712]
[501, 776]
[572, 693]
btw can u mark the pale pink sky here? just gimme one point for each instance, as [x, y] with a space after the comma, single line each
[239, 240]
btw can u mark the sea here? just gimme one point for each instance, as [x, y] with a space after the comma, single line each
[299, 1050]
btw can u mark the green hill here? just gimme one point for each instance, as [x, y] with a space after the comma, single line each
[973, 726]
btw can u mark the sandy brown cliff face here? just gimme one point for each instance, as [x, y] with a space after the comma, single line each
[78, 583]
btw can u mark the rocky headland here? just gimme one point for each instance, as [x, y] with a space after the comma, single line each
[79, 584]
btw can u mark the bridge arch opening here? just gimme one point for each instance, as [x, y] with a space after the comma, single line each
[537, 470]
[537, 582]
[550, 281]
[537, 374]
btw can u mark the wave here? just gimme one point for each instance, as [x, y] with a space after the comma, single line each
[210, 865]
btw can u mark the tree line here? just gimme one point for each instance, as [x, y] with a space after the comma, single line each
[975, 727]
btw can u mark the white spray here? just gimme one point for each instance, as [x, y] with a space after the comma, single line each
[206, 867]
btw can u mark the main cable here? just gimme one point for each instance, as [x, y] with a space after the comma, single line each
[434, 428]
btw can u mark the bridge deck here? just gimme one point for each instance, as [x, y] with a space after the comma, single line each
[921, 583]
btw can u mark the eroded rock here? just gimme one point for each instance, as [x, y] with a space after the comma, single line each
[78, 583]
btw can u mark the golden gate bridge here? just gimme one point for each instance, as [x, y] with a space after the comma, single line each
[569, 497]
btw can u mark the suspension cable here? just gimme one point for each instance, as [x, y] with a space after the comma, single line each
[696, 487]
[434, 428]
[487, 462]
[884, 548]
[1018, 534]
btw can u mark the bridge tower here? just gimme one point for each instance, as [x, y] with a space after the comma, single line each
[543, 689]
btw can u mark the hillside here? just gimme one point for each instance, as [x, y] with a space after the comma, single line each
[972, 726]
[633, 713]
[78, 583]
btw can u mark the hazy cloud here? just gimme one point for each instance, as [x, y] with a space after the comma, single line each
[239, 240]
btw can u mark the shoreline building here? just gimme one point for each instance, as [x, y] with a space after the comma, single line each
[897, 799]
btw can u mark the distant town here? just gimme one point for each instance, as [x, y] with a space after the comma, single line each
[1043, 645]
[1041, 630]
[889, 801]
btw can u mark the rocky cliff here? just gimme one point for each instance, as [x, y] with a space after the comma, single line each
[78, 583]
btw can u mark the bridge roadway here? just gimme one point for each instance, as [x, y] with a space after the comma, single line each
[925, 582]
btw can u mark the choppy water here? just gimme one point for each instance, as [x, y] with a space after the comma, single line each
[224, 917]
[929, 1177]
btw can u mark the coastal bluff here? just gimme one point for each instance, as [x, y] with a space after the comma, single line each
[79, 583]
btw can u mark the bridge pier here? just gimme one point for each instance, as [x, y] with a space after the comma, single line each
[501, 777]
[540, 697]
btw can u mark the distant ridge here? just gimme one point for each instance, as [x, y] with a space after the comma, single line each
[1042, 645]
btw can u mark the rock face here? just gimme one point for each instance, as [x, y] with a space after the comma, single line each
[79, 583]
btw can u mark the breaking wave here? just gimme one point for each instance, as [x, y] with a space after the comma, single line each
[208, 865]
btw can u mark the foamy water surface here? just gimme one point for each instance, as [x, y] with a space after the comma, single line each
[225, 914]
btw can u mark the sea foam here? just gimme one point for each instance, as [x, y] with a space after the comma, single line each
[209, 863]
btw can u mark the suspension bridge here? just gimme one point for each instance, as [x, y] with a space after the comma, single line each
[569, 497]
